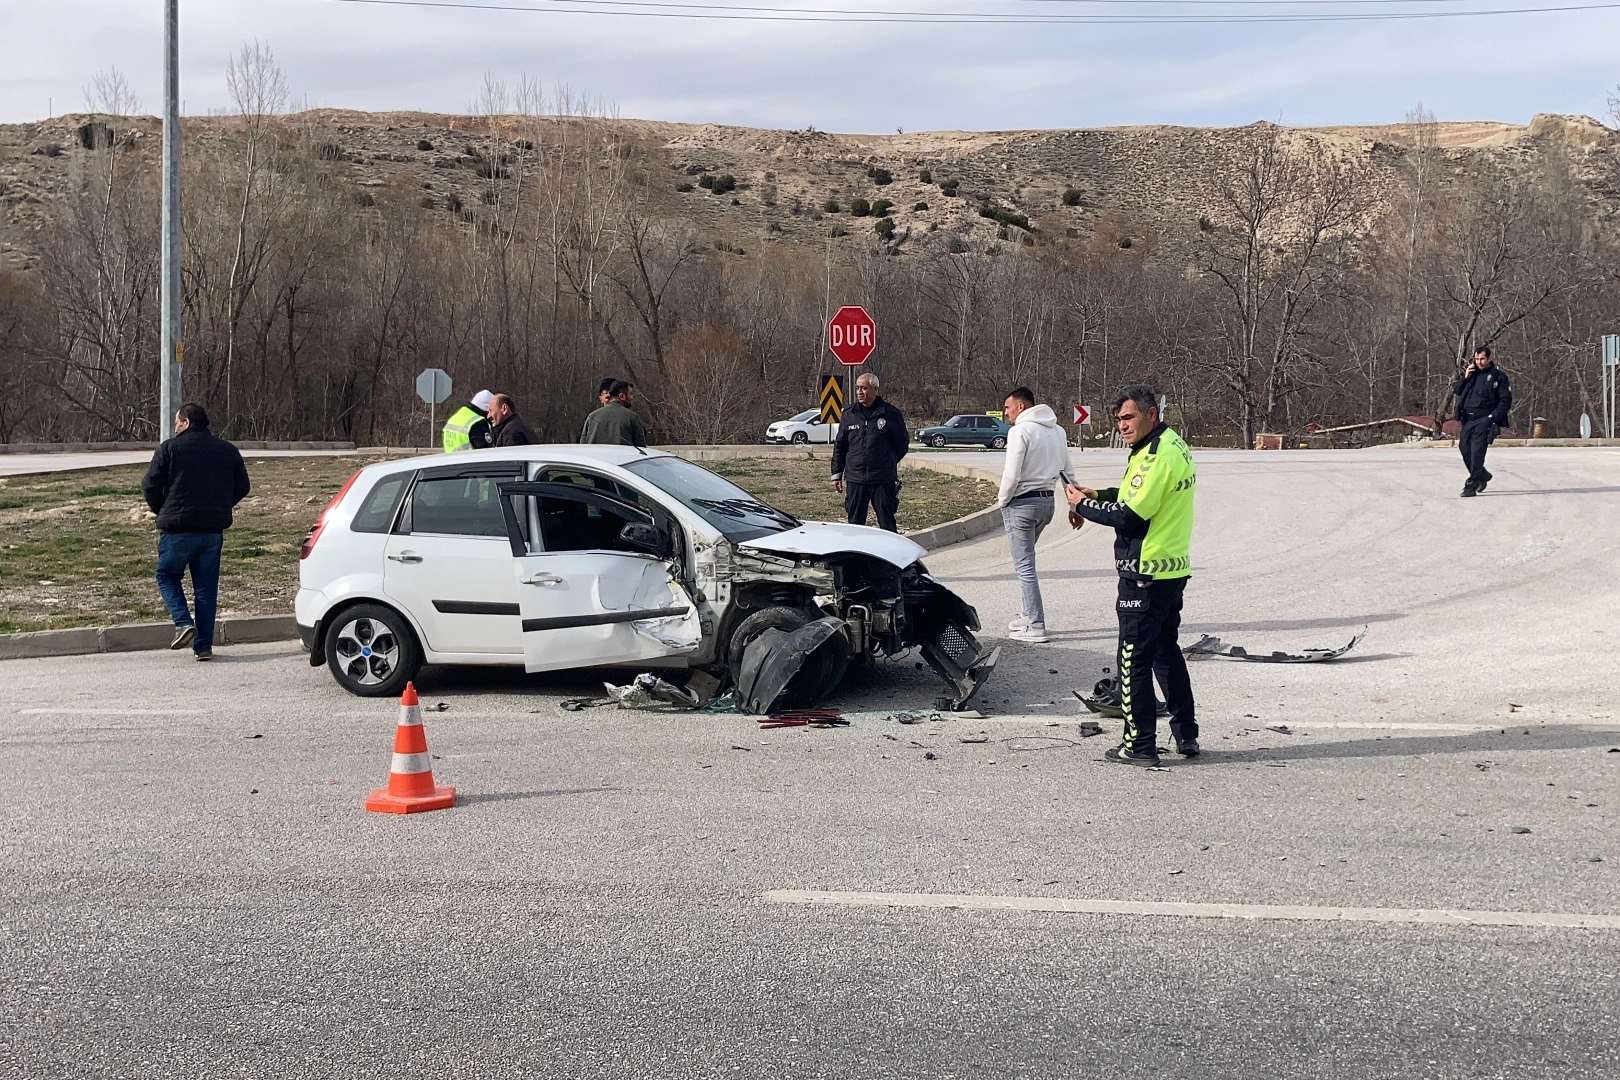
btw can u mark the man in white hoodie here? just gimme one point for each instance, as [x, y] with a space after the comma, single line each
[1037, 451]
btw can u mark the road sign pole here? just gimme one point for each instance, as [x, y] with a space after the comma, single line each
[170, 349]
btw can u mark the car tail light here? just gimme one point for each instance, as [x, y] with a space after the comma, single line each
[314, 533]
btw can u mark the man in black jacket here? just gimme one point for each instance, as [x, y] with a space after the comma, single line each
[1484, 397]
[871, 441]
[194, 482]
[510, 428]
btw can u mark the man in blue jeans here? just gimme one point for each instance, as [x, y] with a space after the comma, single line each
[1037, 455]
[192, 485]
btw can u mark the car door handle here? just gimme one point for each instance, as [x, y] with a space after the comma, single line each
[406, 556]
[546, 580]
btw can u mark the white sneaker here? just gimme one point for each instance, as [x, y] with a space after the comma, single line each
[1035, 635]
[1020, 623]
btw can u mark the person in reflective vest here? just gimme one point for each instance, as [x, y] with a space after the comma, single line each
[468, 427]
[1151, 513]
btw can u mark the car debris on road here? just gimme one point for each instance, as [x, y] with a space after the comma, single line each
[1209, 645]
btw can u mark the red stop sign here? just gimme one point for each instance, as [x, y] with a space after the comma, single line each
[852, 335]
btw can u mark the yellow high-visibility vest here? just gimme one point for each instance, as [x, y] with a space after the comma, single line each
[458, 430]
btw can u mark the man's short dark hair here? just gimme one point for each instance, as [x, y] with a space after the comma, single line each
[194, 415]
[1024, 394]
[504, 399]
[1483, 350]
[1145, 398]
[607, 385]
[619, 386]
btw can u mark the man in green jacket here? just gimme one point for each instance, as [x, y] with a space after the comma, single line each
[1151, 513]
[615, 423]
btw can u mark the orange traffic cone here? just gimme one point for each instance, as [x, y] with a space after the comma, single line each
[410, 781]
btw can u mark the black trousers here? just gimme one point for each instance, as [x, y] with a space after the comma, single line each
[1149, 619]
[884, 499]
[1474, 439]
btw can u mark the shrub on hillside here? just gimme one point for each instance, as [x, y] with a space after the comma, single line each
[860, 207]
[880, 176]
[884, 227]
[925, 176]
[1071, 197]
[424, 145]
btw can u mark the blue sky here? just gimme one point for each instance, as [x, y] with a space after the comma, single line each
[839, 77]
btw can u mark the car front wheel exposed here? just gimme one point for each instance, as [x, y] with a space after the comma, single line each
[937, 440]
[372, 651]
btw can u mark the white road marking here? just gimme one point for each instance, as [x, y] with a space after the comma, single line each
[1065, 905]
[113, 712]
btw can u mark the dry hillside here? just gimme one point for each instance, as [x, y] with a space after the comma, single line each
[1126, 185]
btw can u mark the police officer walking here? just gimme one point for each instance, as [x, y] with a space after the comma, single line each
[872, 438]
[468, 427]
[1151, 513]
[1484, 397]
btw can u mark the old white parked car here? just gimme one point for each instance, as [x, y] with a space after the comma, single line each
[555, 557]
[803, 428]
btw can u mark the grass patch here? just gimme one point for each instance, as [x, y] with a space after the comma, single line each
[78, 549]
[802, 486]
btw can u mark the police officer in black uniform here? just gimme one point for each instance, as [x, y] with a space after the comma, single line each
[871, 441]
[1484, 397]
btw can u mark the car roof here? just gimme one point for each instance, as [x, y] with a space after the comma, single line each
[554, 453]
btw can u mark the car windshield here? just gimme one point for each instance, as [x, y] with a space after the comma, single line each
[717, 500]
[804, 416]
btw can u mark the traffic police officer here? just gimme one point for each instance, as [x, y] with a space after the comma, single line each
[1484, 397]
[1151, 513]
[872, 438]
[468, 427]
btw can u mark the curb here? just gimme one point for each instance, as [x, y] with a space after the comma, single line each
[140, 637]
[955, 532]
[101, 447]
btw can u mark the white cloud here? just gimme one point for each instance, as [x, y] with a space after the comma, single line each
[839, 77]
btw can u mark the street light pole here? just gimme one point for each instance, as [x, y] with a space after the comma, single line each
[172, 350]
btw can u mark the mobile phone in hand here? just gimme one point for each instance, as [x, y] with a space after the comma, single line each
[1068, 481]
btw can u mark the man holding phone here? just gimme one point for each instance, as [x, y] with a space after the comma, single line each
[1484, 397]
[1037, 455]
[1151, 513]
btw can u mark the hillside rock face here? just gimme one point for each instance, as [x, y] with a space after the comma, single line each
[1101, 186]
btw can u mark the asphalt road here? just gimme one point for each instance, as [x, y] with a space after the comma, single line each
[190, 887]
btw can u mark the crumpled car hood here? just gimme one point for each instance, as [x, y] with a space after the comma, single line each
[830, 538]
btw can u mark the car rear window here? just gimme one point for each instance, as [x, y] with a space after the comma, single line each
[376, 514]
[458, 506]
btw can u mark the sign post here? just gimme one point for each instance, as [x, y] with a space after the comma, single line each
[1611, 367]
[852, 337]
[433, 386]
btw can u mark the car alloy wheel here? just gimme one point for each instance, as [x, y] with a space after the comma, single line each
[800, 437]
[998, 443]
[937, 440]
[371, 651]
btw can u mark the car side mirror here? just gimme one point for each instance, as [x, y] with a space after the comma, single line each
[644, 537]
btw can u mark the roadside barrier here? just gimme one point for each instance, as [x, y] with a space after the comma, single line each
[410, 779]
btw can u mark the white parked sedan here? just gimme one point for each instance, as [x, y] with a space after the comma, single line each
[556, 557]
[804, 428]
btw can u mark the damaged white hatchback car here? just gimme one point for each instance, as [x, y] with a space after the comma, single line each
[558, 557]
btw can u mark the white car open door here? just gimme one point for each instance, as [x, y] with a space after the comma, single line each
[597, 579]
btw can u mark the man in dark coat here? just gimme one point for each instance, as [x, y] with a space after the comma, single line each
[510, 428]
[1484, 397]
[192, 485]
[872, 438]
